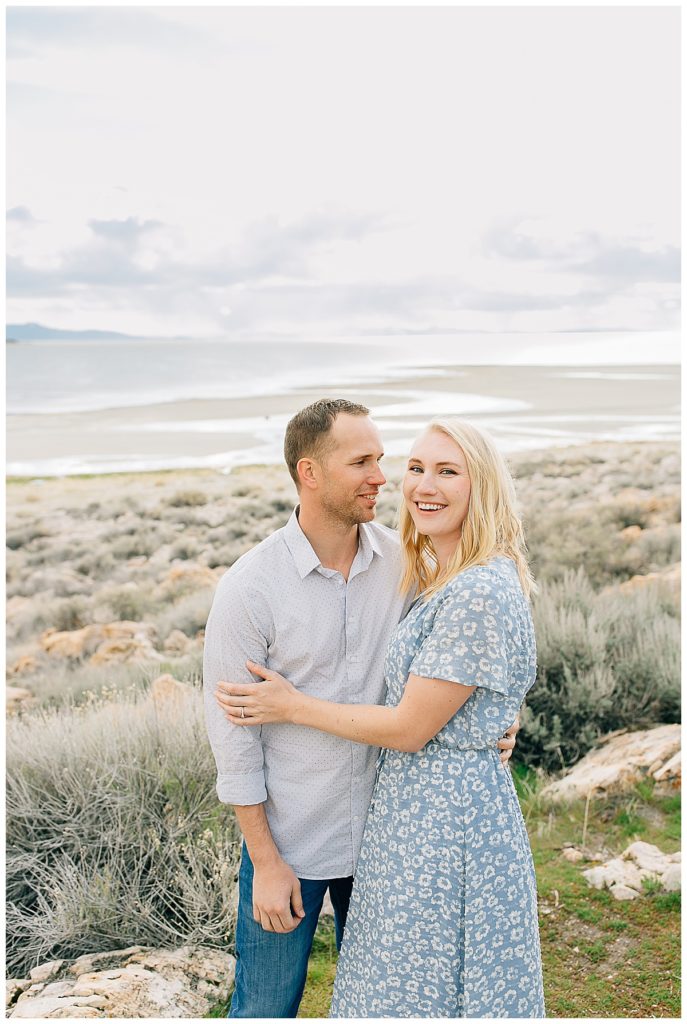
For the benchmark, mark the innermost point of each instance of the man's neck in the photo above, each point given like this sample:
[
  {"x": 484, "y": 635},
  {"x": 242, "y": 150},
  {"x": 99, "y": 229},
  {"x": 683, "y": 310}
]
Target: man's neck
[{"x": 334, "y": 543}]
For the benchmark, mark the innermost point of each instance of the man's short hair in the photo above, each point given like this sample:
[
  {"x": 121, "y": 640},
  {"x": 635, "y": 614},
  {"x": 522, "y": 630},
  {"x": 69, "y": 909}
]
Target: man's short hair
[{"x": 308, "y": 434}]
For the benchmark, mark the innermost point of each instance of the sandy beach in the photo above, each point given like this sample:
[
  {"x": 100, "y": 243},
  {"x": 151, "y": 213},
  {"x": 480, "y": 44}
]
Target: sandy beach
[{"x": 524, "y": 407}]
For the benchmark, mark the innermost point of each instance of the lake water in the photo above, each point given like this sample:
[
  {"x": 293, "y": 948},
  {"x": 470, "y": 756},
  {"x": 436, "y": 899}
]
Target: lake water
[{"x": 77, "y": 406}]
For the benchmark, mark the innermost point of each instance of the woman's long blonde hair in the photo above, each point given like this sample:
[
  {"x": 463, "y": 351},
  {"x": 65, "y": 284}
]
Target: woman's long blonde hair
[{"x": 491, "y": 527}]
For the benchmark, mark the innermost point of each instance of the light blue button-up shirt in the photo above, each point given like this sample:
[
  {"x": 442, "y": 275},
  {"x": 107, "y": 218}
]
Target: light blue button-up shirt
[{"x": 280, "y": 607}]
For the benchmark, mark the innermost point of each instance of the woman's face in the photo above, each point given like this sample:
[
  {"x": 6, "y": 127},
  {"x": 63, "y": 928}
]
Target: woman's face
[{"x": 436, "y": 487}]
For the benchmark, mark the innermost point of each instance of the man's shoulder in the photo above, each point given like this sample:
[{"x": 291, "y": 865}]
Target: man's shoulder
[
  {"x": 388, "y": 539},
  {"x": 248, "y": 569}
]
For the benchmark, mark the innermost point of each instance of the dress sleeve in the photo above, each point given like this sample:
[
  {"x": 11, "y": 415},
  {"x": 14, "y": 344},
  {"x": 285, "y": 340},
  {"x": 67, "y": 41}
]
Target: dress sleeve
[{"x": 468, "y": 640}]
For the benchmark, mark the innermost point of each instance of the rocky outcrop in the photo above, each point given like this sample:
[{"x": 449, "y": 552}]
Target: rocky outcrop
[
  {"x": 15, "y": 605},
  {"x": 16, "y": 698},
  {"x": 126, "y": 649},
  {"x": 184, "y": 579},
  {"x": 177, "y": 643},
  {"x": 169, "y": 695},
  {"x": 669, "y": 577},
  {"x": 27, "y": 663},
  {"x": 131, "y": 983},
  {"x": 71, "y": 643},
  {"x": 105, "y": 643},
  {"x": 624, "y": 876},
  {"x": 620, "y": 761}
]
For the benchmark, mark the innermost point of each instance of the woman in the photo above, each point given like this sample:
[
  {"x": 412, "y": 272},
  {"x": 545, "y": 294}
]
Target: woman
[{"x": 443, "y": 916}]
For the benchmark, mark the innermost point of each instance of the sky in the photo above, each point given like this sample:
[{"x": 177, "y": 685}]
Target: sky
[{"x": 325, "y": 172}]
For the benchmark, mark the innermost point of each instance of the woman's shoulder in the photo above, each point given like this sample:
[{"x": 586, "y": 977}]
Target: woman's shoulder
[
  {"x": 497, "y": 583},
  {"x": 497, "y": 572}
]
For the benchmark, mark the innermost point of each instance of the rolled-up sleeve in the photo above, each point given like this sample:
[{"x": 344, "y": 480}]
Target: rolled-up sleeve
[{"x": 233, "y": 635}]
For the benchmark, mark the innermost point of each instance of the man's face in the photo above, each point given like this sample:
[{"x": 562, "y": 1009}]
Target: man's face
[{"x": 349, "y": 475}]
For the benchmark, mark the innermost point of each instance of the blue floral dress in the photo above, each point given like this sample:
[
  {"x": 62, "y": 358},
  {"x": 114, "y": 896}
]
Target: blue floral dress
[{"x": 443, "y": 915}]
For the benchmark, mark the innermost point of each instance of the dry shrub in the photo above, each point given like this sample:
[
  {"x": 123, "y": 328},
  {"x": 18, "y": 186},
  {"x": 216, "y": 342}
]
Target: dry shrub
[
  {"x": 114, "y": 834},
  {"x": 189, "y": 614},
  {"x": 605, "y": 661},
  {"x": 187, "y": 498}
]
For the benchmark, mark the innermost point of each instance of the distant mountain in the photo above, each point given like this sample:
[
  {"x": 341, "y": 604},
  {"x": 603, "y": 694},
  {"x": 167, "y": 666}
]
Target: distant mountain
[{"x": 38, "y": 332}]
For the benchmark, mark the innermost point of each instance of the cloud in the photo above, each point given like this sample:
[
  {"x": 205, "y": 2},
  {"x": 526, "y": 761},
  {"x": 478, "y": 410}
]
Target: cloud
[
  {"x": 32, "y": 28},
  {"x": 623, "y": 261},
  {"x": 20, "y": 215},
  {"x": 634, "y": 264},
  {"x": 267, "y": 249},
  {"x": 274, "y": 278},
  {"x": 128, "y": 233}
]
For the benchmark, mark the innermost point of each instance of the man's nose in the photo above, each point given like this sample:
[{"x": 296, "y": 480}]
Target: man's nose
[{"x": 377, "y": 478}]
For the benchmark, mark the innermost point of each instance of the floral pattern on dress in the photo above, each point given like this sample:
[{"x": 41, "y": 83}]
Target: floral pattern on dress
[{"x": 443, "y": 915}]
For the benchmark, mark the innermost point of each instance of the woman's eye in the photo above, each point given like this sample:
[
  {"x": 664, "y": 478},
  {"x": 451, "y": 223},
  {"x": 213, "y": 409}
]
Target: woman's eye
[
  {"x": 451, "y": 472},
  {"x": 414, "y": 469}
]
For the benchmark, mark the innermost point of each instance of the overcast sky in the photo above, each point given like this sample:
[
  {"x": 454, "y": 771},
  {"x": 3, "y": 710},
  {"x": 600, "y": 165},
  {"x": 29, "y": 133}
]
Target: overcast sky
[{"x": 316, "y": 172}]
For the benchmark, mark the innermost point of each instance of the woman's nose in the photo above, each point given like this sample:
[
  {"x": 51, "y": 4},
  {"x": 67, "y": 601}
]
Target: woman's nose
[{"x": 427, "y": 485}]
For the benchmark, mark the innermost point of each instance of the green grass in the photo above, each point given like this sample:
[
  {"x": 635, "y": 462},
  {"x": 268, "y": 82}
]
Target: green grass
[{"x": 601, "y": 957}]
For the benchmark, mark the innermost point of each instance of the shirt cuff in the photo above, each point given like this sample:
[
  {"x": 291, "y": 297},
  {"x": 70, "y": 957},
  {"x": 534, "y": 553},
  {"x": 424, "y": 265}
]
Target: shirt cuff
[{"x": 242, "y": 789}]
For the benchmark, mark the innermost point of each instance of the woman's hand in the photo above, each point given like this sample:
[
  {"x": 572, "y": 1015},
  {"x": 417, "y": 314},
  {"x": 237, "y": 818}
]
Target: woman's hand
[{"x": 274, "y": 700}]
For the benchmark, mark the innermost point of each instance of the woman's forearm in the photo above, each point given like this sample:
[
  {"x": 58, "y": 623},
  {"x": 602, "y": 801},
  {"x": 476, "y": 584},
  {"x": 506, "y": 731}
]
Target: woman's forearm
[{"x": 362, "y": 723}]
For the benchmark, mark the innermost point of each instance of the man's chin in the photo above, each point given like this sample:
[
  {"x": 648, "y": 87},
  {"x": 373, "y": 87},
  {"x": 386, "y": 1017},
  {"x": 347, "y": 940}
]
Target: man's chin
[{"x": 354, "y": 516}]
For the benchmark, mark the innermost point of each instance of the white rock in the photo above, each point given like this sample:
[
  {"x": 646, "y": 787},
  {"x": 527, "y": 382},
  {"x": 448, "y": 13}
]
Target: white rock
[
  {"x": 89, "y": 961},
  {"x": 13, "y": 988},
  {"x": 623, "y": 892},
  {"x": 671, "y": 879},
  {"x": 647, "y": 857},
  {"x": 619, "y": 762},
  {"x": 154, "y": 983},
  {"x": 37, "y": 1006},
  {"x": 46, "y": 971},
  {"x": 671, "y": 769},
  {"x": 638, "y": 862},
  {"x": 615, "y": 872}
]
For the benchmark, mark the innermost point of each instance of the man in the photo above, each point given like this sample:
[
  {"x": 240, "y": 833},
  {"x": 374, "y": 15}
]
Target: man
[{"x": 317, "y": 601}]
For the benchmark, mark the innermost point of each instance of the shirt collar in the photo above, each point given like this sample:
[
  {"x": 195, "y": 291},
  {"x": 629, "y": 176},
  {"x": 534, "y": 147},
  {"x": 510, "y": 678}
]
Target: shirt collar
[{"x": 304, "y": 555}]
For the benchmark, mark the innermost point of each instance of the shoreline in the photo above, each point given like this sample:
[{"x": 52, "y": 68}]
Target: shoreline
[{"x": 524, "y": 407}]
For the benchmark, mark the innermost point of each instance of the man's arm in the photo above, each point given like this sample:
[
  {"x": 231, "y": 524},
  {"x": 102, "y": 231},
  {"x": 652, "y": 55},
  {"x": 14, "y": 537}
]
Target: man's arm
[
  {"x": 232, "y": 636},
  {"x": 277, "y": 903},
  {"x": 507, "y": 742}
]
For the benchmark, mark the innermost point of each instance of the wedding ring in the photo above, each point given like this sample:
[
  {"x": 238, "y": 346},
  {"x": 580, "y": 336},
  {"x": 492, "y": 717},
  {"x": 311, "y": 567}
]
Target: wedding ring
[{"x": 243, "y": 713}]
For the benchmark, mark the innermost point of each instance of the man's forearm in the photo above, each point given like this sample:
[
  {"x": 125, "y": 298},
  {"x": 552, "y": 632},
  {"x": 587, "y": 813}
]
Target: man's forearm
[
  {"x": 257, "y": 834},
  {"x": 277, "y": 900}
]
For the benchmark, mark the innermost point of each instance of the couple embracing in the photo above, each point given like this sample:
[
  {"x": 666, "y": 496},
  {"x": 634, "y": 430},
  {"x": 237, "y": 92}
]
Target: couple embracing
[{"x": 336, "y": 637}]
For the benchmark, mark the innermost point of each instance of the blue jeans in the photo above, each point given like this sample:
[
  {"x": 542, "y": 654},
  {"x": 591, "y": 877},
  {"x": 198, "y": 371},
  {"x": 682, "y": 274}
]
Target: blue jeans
[{"x": 271, "y": 968}]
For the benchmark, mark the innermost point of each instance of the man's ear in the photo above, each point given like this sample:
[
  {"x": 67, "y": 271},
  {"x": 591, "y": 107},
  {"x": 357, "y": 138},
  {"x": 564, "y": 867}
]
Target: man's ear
[{"x": 307, "y": 473}]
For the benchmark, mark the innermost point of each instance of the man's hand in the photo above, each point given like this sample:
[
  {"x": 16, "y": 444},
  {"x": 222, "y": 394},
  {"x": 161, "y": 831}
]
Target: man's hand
[
  {"x": 507, "y": 741},
  {"x": 277, "y": 903}
]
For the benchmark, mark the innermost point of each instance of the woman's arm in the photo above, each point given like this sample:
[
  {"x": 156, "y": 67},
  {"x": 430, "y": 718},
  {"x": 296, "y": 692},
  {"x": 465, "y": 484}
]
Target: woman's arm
[{"x": 425, "y": 708}]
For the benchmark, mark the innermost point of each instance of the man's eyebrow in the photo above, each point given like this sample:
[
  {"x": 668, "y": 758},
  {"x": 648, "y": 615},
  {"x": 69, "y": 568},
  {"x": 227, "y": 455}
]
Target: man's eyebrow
[{"x": 367, "y": 455}]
